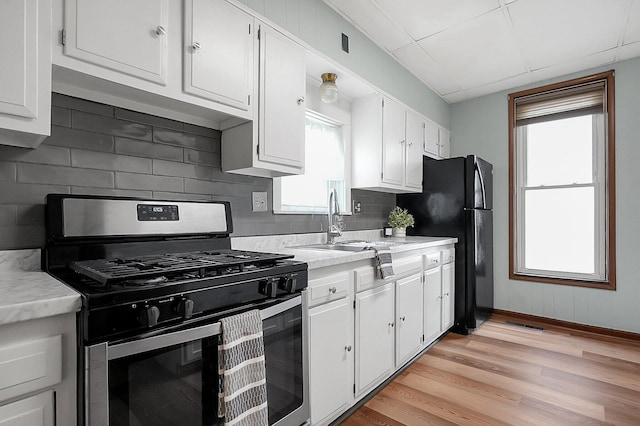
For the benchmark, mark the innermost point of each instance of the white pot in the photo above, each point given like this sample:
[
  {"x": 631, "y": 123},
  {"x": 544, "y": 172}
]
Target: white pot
[{"x": 399, "y": 232}]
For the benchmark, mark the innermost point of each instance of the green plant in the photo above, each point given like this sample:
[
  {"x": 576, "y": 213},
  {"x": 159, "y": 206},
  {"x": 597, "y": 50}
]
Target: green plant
[{"x": 400, "y": 218}]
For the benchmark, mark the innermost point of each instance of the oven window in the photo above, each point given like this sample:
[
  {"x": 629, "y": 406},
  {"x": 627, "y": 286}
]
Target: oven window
[
  {"x": 174, "y": 385},
  {"x": 283, "y": 359}
]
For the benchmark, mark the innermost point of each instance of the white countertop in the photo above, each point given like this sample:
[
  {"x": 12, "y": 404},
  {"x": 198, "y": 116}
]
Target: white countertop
[{"x": 27, "y": 293}]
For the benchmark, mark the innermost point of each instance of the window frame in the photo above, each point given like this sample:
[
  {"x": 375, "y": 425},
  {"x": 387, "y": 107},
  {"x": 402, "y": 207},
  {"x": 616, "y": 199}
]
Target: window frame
[{"x": 515, "y": 226}]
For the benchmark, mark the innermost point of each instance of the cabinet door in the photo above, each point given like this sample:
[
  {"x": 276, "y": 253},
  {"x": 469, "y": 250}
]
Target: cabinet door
[
  {"x": 393, "y": 141},
  {"x": 448, "y": 277},
  {"x": 444, "y": 137},
  {"x": 282, "y": 91},
  {"x": 431, "y": 139},
  {"x": 409, "y": 317},
  {"x": 330, "y": 359},
  {"x": 432, "y": 304},
  {"x": 374, "y": 339},
  {"x": 415, "y": 126},
  {"x": 123, "y": 35},
  {"x": 33, "y": 411},
  {"x": 218, "y": 52},
  {"x": 25, "y": 74}
]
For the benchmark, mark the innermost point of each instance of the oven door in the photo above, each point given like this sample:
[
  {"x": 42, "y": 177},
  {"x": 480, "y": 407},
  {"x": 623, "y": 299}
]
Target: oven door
[{"x": 172, "y": 378}]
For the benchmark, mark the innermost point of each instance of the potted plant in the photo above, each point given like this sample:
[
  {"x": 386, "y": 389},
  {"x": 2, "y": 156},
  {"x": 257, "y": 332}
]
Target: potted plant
[{"x": 399, "y": 219}]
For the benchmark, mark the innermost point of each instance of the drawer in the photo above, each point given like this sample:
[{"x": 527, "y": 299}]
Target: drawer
[
  {"x": 33, "y": 411},
  {"x": 448, "y": 256},
  {"x": 431, "y": 260},
  {"x": 30, "y": 366},
  {"x": 326, "y": 289},
  {"x": 366, "y": 277}
]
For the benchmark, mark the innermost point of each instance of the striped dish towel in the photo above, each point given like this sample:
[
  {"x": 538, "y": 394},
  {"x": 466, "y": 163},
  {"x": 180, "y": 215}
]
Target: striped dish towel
[
  {"x": 242, "y": 397},
  {"x": 383, "y": 262}
]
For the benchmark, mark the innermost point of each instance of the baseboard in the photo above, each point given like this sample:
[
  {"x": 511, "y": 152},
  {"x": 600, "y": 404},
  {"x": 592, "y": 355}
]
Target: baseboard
[{"x": 570, "y": 325}]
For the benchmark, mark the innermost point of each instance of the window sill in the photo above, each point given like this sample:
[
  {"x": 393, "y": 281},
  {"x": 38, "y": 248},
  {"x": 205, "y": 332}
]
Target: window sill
[{"x": 603, "y": 285}]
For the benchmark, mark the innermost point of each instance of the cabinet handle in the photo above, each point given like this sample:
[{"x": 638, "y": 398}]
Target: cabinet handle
[
  {"x": 332, "y": 290},
  {"x": 402, "y": 141},
  {"x": 446, "y": 294},
  {"x": 300, "y": 100},
  {"x": 410, "y": 143},
  {"x": 403, "y": 318},
  {"x": 391, "y": 324},
  {"x": 196, "y": 46},
  {"x": 348, "y": 348},
  {"x": 160, "y": 31}
]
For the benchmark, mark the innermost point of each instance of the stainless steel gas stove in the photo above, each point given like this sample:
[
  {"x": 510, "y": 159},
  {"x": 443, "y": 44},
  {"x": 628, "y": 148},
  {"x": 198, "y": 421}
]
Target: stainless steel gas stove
[{"x": 155, "y": 279}]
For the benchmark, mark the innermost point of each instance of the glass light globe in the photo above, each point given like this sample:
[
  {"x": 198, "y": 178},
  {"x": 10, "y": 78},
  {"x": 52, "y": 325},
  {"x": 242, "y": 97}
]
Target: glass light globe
[{"x": 328, "y": 90}]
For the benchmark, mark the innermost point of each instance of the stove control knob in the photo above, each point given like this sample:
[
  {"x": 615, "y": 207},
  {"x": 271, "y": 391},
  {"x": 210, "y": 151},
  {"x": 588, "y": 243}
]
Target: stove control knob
[
  {"x": 268, "y": 287},
  {"x": 288, "y": 283},
  {"x": 184, "y": 308},
  {"x": 148, "y": 316}
]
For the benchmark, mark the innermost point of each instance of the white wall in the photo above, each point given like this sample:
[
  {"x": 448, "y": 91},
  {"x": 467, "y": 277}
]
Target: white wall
[
  {"x": 480, "y": 126},
  {"x": 315, "y": 23}
]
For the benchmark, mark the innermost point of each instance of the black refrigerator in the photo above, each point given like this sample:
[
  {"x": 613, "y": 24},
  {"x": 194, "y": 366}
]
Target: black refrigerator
[{"x": 457, "y": 201}]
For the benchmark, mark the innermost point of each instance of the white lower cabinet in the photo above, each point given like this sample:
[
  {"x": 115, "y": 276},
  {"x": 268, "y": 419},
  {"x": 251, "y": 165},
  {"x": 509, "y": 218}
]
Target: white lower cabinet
[
  {"x": 448, "y": 288},
  {"x": 331, "y": 359},
  {"x": 33, "y": 411},
  {"x": 438, "y": 294},
  {"x": 409, "y": 314},
  {"x": 374, "y": 337}
]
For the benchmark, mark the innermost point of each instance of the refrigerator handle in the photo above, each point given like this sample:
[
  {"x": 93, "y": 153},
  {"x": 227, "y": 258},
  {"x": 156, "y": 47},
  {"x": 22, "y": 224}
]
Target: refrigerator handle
[{"x": 484, "y": 195}]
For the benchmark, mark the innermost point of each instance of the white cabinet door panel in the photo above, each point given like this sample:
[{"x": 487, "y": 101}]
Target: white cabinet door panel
[
  {"x": 393, "y": 141},
  {"x": 431, "y": 139},
  {"x": 448, "y": 277},
  {"x": 444, "y": 137},
  {"x": 409, "y": 317},
  {"x": 123, "y": 35},
  {"x": 432, "y": 303},
  {"x": 415, "y": 136},
  {"x": 218, "y": 52},
  {"x": 33, "y": 411}
]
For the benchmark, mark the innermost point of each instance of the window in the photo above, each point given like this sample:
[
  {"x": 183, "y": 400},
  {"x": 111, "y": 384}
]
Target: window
[
  {"x": 325, "y": 169},
  {"x": 561, "y": 180}
]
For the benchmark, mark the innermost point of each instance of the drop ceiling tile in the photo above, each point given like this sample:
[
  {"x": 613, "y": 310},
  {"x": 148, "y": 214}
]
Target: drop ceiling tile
[
  {"x": 422, "y": 66},
  {"x": 498, "y": 86},
  {"x": 366, "y": 16},
  {"x": 551, "y": 31},
  {"x": 422, "y": 18},
  {"x": 575, "y": 65},
  {"x": 476, "y": 52},
  {"x": 629, "y": 51},
  {"x": 632, "y": 33}
]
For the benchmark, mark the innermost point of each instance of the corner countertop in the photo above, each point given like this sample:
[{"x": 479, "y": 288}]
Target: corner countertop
[
  {"x": 320, "y": 258},
  {"x": 27, "y": 293}
]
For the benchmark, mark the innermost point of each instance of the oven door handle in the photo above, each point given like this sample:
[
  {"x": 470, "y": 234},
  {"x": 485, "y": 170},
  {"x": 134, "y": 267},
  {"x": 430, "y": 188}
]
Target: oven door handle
[{"x": 122, "y": 350}]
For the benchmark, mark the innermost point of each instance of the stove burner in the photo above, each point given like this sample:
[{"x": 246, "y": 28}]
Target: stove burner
[{"x": 147, "y": 269}]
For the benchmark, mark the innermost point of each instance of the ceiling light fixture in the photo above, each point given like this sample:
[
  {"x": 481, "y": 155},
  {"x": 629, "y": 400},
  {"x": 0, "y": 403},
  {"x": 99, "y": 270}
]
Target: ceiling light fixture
[{"x": 328, "y": 90}]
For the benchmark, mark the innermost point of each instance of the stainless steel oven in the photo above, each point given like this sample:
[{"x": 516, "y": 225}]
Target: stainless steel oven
[
  {"x": 172, "y": 378},
  {"x": 156, "y": 277}
]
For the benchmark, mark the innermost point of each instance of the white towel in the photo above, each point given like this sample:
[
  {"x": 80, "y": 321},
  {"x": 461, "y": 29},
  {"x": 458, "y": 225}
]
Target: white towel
[
  {"x": 242, "y": 397},
  {"x": 383, "y": 262}
]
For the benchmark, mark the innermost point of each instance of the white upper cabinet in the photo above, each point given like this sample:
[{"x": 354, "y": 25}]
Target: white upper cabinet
[
  {"x": 273, "y": 143},
  {"x": 436, "y": 141},
  {"x": 123, "y": 35},
  {"x": 387, "y": 141},
  {"x": 218, "y": 52},
  {"x": 25, "y": 74}
]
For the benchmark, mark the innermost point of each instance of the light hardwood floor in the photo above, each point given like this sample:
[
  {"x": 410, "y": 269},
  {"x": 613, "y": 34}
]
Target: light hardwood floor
[{"x": 504, "y": 373}]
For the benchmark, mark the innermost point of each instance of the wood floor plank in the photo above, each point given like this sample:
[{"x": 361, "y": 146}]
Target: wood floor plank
[{"x": 508, "y": 374}]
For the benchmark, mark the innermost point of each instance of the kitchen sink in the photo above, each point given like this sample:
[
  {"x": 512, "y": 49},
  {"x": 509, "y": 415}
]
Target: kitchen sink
[{"x": 352, "y": 245}]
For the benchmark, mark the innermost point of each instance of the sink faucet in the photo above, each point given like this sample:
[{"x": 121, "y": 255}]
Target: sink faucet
[{"x": 335, "y": 219}]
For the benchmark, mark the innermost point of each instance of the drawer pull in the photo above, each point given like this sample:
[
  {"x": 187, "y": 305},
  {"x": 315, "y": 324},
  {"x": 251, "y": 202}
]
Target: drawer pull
[
  {"x": 332, "y": 290},
  {"x": 391, "y": 324},
  {"x": 403, "y": 318},
  {"x": 348, "y": 348}
]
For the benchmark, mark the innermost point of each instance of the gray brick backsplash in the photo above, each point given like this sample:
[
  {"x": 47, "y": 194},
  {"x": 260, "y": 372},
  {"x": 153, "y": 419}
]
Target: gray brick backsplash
[
  {"x": 7, "y": 171},
  {"x": 202, "y": 157},
  {"x": 105, "y": 161},
  {"x": 149, "y": 149},
  {"x": 151, "y": 120},
  {"x": 74, "y": 138},
  {"x": 71, "y": 103},
  {"x": 57, "y": 175},
  {"x": 198, "y": 142},
  {"x": 118, "y": 152},
  {"x": 7, "y": 215},
  {"x": 149, "y": 182},
  {"x": 109, "y": 126},
  {"x": 16, "y": 193},
  {"x": 194, "y": 186},
  {"x": 44, "y": 154},
  {"x": 60, "y": 116}
]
